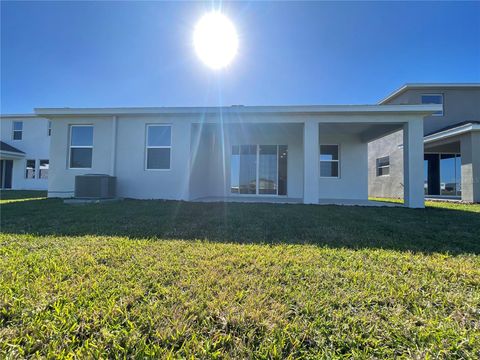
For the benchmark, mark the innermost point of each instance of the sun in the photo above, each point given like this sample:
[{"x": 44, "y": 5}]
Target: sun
[{"x": 215, "y": 40}]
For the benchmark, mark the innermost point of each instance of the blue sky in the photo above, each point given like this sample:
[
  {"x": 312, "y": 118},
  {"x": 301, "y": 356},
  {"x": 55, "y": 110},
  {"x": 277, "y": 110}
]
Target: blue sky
[{"x": 141, "y": 53}]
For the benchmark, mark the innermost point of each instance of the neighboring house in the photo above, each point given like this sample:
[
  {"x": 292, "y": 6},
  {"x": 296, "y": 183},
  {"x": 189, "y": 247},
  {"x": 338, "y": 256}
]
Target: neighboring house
[
  {"x": 24, "y": 153},
  {"x": 308, "y": 154},
  {"x": 451, "y": 144}
]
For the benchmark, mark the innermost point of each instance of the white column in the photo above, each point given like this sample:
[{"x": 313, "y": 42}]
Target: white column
[
  {"x": 413, "y": 164},
  {"x": 311, "y": 162}
]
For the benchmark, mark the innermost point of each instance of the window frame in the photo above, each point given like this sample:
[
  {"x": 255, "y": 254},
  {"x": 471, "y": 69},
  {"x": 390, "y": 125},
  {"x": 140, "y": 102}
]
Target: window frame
[
  {"x": 14, "y": 131},
  {"x": 39, "y": 170},
  {"x": 34, "y": 169},
  {"x": 71, "y": 126},
  {"x": 435, "y": 94},
  {"x": 147, "y": 126},
  {"x": 329, "y": 161},
  {"x": 382, "y": 167}
]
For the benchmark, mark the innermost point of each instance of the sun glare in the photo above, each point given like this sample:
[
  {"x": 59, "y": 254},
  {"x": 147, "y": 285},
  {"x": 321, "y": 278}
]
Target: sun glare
[{"x": 215, "y": 40}]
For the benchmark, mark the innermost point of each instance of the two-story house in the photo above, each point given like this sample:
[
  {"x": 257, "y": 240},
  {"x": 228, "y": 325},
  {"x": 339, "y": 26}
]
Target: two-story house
[
  {"x": 24, "y": 152},
  {"x": 451, "y": 144}
]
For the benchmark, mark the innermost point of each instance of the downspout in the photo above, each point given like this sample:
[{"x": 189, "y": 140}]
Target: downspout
[{"x": 114, "y": 146}]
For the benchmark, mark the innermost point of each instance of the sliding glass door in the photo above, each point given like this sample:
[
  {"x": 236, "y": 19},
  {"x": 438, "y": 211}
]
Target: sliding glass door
[
  {"x": 259, "y": 169},
  {"x": 443, "y": 174}
]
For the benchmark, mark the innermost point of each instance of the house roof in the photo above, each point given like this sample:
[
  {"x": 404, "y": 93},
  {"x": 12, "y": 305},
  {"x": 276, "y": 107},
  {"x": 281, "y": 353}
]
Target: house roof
[
  {"x": 240, "y": 109},
  {"x": 14, "y": 116},
  {"x": 9, "y": 148},
  {"x": 454, "y": 126},
  {"x": 427, "y": 86},
  {"x": 454, "y": 130}
]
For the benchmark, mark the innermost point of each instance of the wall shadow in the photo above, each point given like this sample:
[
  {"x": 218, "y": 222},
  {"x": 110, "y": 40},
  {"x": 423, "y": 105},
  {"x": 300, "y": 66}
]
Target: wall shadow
[{"x": 430, "y": 230}]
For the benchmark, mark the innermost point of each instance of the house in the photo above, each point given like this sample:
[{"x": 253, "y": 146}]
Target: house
[
  {"x": 451, "y": 144},
  {"x": 24, "y": 152},
  {"x": 308, "y": 154}
]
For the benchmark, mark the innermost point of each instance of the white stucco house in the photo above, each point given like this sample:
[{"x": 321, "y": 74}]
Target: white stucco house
[
  {"x": 308, "y": 154},
  {"x": 24, "y": 152}
]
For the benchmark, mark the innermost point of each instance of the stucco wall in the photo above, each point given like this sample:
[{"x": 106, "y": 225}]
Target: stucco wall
[
  {"x": 353, "y": 180},
  {"x": 61, "y": 181},
  {"x": 35, "y": 144},
  {"x": 391, "y": 185},
  {"x": 459, "y": 105}
]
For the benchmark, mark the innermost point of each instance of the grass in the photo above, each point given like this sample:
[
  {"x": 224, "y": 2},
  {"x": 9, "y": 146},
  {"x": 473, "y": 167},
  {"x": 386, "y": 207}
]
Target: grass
[{"x": 174, "y": 280}]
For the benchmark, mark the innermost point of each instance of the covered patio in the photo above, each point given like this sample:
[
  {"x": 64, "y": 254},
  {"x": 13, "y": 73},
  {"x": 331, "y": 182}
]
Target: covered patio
[{"x": 318, "y": 158}]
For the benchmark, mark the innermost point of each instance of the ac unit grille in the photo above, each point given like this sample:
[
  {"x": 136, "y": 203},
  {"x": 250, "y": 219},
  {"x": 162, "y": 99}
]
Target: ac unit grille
[{"x": 95, "y": 186}]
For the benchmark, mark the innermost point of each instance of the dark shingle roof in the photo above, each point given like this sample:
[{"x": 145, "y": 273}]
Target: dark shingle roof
[{"x": 6, "y": 147}]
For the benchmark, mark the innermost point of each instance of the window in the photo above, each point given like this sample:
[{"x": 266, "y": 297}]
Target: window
[
  {"x": 433, "y": 99},
  {"x": 159, "y": 147},
  {"x": 81, "y": 146},
  {"x": 329, "y": 161},
  {"x": 43, "y": 169},
  {"x": 49, "y": 131},
  {"x": 383, "y": 166},
  {"x": 30, "y": 169},
  {"x": 17, "y": 130}
]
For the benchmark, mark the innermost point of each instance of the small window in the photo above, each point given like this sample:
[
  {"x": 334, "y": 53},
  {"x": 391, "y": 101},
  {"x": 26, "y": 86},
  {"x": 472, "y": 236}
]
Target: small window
[
  {"x": 49, "y": 131},
  {"x": 329, "y": 161},
  {"x": 383, "y": 166},
  {"x": 43, "y": 169},
  {"x": 433, "y": 99},
  {"x": 158, "y": 149},
  {"x": 30, "y": 169},
  {"x": 17, "y": 130},
  {"x": 81, "y": 146}
]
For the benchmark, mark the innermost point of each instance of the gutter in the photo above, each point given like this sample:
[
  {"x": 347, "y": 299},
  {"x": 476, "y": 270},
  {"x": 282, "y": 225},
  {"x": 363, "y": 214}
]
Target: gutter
[{"x": 451, "y": 132}]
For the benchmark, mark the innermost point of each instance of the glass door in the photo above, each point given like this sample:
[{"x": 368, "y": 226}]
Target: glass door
[{"x": 258, "y": 169}]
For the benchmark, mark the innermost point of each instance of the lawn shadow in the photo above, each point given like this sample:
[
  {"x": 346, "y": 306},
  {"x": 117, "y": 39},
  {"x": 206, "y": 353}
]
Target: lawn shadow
[{"x": 431, "y": 230}]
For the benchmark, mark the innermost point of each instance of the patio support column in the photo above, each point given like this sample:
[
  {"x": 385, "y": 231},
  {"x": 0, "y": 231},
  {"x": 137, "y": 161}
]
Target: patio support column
[
  {"x": 311, "y": 162},
  {"x": 413, "y": 164},
  {"x": 470, "y": 152}
]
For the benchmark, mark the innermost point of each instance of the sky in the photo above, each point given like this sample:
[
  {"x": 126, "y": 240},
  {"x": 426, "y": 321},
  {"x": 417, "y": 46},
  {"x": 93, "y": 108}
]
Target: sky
[{"x": 109, "y": 54}]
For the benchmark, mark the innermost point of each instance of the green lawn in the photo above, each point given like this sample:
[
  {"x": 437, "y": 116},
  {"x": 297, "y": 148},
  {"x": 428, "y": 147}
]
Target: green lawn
[{"x": 174, "y": 279}]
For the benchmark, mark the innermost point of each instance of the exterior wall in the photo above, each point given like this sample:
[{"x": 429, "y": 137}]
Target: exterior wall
[
  {"x": 133, "y": 180},
  {"x": 35, "y": 144},
  {"x": 353, "y": 180},
  {"x": 200, "y": 154},
  {"x": 390, "y": 186},
  {"x": 61, "y": 181},
  {"x": 470, "y": 151},
  {"x": 458, "y": 105},
  {"x": 128, "y": 165}
]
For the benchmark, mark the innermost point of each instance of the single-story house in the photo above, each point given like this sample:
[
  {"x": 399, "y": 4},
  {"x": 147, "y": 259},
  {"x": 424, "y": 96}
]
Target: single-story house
[{"x": 308, "y": 154}]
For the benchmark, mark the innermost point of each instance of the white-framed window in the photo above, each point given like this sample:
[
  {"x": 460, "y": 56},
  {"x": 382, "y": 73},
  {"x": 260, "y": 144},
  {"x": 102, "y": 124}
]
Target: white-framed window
[
  {"x": 433, "y": 99},
  {"x": 43, "y": 167},
  {"x": 17, "y": 130},
  {"x": 330, "y": 161},
  {"x": 81, "y": 147},
  {"x": 49, "y": 130},
  {"x": 383, "y": 166},
  {"x": 30, "y": 169},
  {"x": 158, "y": 147}
]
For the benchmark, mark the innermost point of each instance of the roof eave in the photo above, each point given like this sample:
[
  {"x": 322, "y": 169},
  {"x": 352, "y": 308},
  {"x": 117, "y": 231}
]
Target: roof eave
[{"x": 312, "y": 109}]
